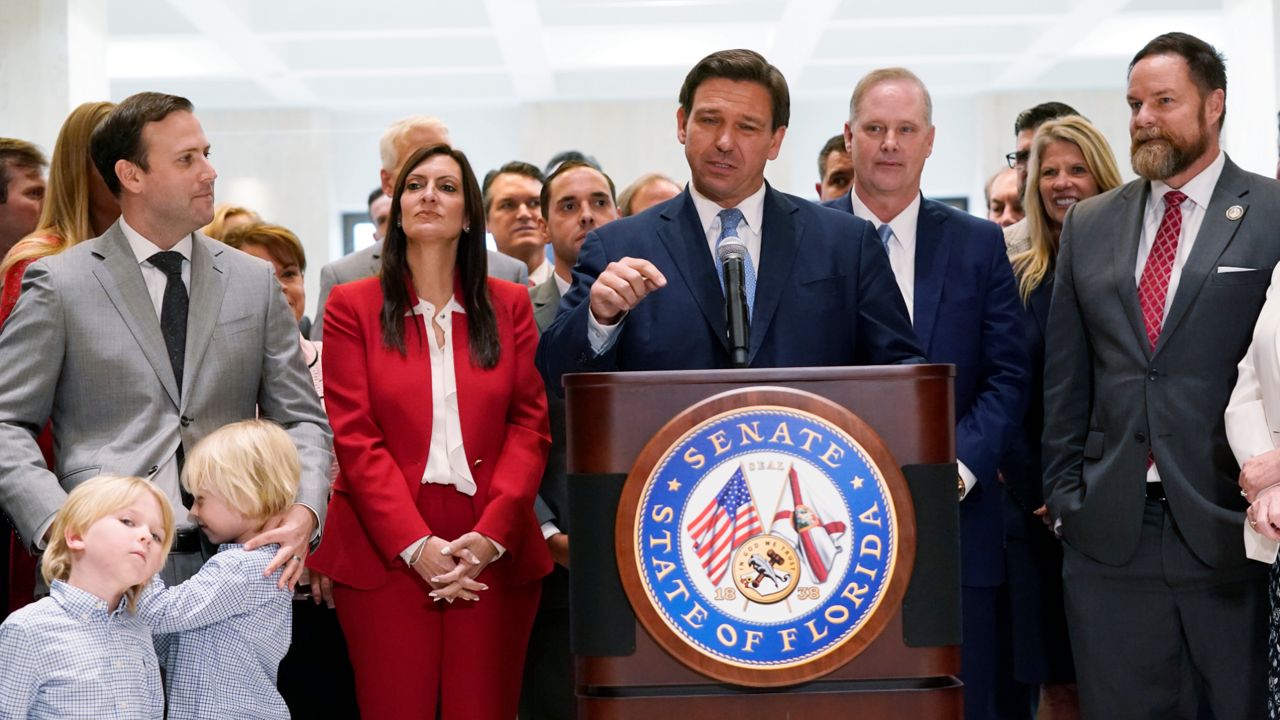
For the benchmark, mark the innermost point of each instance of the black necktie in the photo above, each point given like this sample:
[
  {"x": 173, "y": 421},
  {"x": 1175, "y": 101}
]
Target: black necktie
[{"x": 173, "y": 311}]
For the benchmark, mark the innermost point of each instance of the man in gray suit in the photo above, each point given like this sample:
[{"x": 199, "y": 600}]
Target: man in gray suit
[
  {"x": 576, "y": 199},
  {"x": 1158, "y": 285},
  {"x": 140, "y": 342},
  {"x": 397, "y": 144}
]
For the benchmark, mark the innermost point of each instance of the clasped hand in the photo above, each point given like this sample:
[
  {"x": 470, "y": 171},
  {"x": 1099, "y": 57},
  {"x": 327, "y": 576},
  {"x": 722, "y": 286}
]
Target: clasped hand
[{"x": 451, "y": 567}]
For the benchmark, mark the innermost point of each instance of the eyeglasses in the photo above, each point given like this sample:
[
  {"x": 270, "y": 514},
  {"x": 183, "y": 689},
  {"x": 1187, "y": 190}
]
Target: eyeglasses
[{"x": 1017, "y": 158}]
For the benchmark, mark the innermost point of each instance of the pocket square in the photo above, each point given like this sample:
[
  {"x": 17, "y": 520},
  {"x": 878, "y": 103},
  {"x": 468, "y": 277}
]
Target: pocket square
[{"x": 1233, "y": 269}]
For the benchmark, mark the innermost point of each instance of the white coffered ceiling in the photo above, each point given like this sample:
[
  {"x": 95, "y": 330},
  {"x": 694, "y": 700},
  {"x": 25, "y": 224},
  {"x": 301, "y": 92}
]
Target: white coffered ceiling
[{"x": 387, "y": 54}]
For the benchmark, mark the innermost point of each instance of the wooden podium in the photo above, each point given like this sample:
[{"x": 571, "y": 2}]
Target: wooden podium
[{"x": 908, "y": 671}]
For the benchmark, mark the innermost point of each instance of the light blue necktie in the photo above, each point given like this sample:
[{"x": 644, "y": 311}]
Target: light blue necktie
[
  {"x": 729, "y": 220},
  {"x": 886, "y": 233}
]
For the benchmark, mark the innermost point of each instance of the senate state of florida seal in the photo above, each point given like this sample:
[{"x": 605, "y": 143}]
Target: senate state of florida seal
[{"x": 761, "y": 538}]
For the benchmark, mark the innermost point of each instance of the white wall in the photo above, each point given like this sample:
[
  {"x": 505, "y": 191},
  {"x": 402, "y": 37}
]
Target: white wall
[{"x": 279, "y": 163}]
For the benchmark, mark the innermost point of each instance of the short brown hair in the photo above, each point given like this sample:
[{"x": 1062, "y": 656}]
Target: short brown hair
[
  {"x": 1208, "y": 67},
  {"x": 119, "y": 137},
  {"x": 835, "y": 143},
  {"x": 741, "y": 65},
  {"x": 544, "y": 197},
  {"x": 19, "y": 154},
  {"x": 283, "y": 245},
  {"x": 515, "y": 167}
]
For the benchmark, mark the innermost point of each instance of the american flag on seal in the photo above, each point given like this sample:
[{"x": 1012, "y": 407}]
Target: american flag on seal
[{"x": 724, "y": 524}]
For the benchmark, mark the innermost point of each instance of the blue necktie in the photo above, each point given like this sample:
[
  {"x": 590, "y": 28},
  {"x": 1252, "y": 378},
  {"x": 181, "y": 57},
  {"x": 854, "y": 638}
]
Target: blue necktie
[
  {"x": 886, "y": 233},
  {"x": 729, "y": 220}
]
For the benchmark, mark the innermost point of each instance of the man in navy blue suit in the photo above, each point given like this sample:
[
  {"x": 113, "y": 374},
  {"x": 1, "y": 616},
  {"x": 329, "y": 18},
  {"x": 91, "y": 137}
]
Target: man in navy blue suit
[
  {"x": 646, "y": 293},
  {"x": 953, "y": 273}
]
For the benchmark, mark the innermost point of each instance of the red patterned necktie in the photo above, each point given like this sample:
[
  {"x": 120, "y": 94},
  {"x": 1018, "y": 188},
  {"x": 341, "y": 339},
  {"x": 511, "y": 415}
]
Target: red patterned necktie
[{"x": 1153, "y": 288}]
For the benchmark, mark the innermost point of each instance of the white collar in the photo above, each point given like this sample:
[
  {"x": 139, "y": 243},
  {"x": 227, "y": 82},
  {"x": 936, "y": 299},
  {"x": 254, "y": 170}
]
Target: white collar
[
  {"x": 1199, "y": 188},
  {"x": 425, "y": 308},
  {"x": 903, "y": 225},
  {"x": 752, "y": 208},
  {"x": 143, "y": 248},
  {"x": 561, "y": 284}
]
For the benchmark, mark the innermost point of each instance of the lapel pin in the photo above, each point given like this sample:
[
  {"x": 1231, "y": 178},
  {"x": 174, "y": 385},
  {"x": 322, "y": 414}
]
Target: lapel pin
[{"x": 1235, "y": 212}]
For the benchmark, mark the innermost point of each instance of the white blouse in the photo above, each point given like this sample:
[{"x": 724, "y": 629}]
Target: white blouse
[{"x": 446, "y": 458}]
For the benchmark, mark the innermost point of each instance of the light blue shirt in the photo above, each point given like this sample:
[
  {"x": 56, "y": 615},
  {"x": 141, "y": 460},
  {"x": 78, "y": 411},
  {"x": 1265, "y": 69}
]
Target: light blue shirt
[
  {"x": 68, "y": 657},
  {"x": 222, "y": 635}
]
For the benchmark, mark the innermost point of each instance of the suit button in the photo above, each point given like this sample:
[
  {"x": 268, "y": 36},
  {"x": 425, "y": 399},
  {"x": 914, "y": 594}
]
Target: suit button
[
  {"x": 1139, "y": 438},
  {"x": 186, "y": 421},
  {"x": 1153, "y": 374}
]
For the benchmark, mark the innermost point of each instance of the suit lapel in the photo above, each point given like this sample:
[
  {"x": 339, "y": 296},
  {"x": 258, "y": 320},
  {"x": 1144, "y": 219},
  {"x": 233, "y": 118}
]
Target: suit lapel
[
  {"x": 1133, "y": 206},
  {"x": 932, "y": 257},
  {"x": 121, "y": 279},
  {"x": 1216, "y": 232},
  {"x": 546, "y": 301},
  {"x": 375, "y": 260},
  {"x": 686, "y": 241},
  {"x": 779, "y": 242},
  {"x": 208, "y": 284}
]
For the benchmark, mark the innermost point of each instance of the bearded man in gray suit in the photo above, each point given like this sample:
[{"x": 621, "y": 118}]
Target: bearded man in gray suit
[
  {"x": 1158, "y": 286},
  {"x": 140, "y": 342},
  {"x": 399, "y": 141}
]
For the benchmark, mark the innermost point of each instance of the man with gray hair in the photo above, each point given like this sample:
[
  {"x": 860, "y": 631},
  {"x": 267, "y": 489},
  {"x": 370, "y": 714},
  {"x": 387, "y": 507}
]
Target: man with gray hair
[
  {"x": 953, "y": 274},
  {"x": 398, "y": 142},
  {"x": 21, "y": 190}
]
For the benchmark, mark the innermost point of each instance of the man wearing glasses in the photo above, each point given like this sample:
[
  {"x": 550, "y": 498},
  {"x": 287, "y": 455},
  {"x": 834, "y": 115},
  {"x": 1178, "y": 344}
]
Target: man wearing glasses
[{"x": 1017, "y": 236}]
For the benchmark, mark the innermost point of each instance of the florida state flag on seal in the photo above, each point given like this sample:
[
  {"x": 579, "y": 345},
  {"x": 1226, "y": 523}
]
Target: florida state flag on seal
[{"x": 799, "y": 518}]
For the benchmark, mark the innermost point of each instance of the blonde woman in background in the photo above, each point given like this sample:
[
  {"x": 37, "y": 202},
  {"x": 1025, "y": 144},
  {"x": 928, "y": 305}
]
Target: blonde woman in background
[
  {"x": 77, "y": 203},
  {"x": 227, "y": 217},
  {"x": 77, "y": 206},
  {"x": 1070, "y": 162}
]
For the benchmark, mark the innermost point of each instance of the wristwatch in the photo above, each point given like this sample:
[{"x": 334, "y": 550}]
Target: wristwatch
[{"x": 960, "y": 484}]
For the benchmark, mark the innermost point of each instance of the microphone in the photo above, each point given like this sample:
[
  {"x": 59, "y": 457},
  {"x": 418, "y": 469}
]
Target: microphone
[{"x": 733, "y": 253}]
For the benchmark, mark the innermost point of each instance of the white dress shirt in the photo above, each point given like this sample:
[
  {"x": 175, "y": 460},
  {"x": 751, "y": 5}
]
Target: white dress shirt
[
  {"x": 539, "y": 275},
  {"x": 446, "y": 456},
  {"x": 902, "y": 245},
  {"x": 166, "y": 476},
  {"x": 750, "y": 232},
  {"x": 902, "y": 258},
  {"x": 1199, "y": 191}
]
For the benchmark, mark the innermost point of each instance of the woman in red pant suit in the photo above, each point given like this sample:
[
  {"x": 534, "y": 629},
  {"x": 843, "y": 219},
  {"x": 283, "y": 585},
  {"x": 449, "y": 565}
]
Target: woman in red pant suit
[{"x": 440, "y": 428}]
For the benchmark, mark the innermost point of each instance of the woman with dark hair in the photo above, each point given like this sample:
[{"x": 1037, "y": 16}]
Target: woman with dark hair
[{"x": 440, "y": 428}]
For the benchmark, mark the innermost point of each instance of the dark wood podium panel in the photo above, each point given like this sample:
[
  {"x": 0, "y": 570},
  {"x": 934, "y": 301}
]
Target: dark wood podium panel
[
  {"x": 887, "y": 657},
  {"x": 642, "y": 402},
  {"x": 613, "y": 416},
  {"x": 908, "y": 701}
]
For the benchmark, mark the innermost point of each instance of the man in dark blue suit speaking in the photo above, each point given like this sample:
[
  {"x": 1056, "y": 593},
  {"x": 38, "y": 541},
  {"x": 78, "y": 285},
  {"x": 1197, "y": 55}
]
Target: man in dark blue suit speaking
[
  {"x": 646, "y": 291},
  {"x": 952, "y": 270}
]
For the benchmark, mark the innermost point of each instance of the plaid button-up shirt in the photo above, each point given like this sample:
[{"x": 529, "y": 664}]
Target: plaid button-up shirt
[
  {"x": 68, "y": 656},
  {"x": 222, "y": 635}
]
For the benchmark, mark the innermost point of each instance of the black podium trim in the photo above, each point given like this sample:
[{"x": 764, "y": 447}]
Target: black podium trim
[
  {"x": 931, "y": 607},
  {"x": 601, "y": 622},
  {"x": 879, "y": 685}
]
